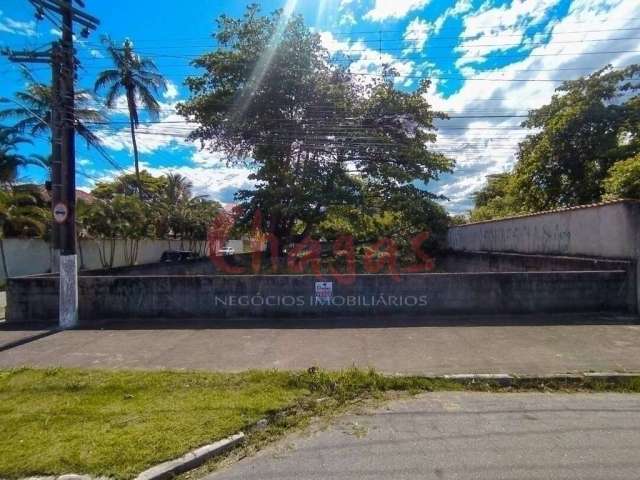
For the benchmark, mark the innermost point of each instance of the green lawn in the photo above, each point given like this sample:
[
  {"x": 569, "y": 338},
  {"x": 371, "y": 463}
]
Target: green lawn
[{"x": 118, "y": 423}]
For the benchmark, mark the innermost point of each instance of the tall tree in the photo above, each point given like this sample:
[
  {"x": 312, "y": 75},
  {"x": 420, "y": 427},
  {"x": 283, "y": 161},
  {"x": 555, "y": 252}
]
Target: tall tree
[
  {"x": 127, "y": 184},
  {"x": 589, "y": 125},
  {"x": 34, "y": 105},
  {"x": 138, "y": 79},
  {"x": 271, "y": 96},
  {"x": 178, "y": 188}
]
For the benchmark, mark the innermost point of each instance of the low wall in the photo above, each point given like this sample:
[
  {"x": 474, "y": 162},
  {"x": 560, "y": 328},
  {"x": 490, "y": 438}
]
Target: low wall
[
  {"x": 465, "y": 261},
  {"x": 27, "y": 256},
  {"x": 122, "y": 298},
  {"x": 607, "y": 230}
]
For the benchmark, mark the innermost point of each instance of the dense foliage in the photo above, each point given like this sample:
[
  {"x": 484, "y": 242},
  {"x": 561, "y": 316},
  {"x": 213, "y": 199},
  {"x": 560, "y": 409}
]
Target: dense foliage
[
  {"x": 169, "y": 210},
  {"x": 589, "y": 127},
  {"x": 271, "y": 97}
]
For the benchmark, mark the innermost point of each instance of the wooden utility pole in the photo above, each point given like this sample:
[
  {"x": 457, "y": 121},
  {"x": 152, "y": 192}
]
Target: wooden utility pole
[
  {"x": 64, "y": 210},
  {"x": 56, "y": 142},
  {"x": 63, "y": 127}
]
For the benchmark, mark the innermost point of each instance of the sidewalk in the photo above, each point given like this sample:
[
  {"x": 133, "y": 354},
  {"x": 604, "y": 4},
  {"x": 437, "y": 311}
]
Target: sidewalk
[{"x": 517, "y": 345}]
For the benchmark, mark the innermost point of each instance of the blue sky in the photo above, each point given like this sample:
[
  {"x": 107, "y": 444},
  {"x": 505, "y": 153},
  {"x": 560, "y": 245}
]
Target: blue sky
[{"x": 490, "y": 61}]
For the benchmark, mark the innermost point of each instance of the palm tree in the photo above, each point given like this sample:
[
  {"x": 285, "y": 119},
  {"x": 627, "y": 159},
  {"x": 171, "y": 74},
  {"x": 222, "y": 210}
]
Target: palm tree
[
  {"x": 178, "y": 188},
  {"x": 10, "y": 159},
  {"x": 138, "y": 79},
  {"x": 34, "y": 106}
]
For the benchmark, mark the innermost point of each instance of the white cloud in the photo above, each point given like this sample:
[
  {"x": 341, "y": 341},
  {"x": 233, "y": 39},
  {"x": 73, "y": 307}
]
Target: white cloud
[
  {"x": 386, "y": 9},
  {"x": 344, "y": 4},
  {"x": 347, "y": 19},
  {"x": 170, "y": 131},
  {"x": 365, "y": 60},
  {"x": 96, "y": 53},
  {"x": 16, "y": 27},
  {"x": 486, "y": 146},
  {"x": 416, "y": 34},
  {"x": 214, "y": 179},
  {"x": 501, "y": 28},
  {"x": 172, "y": 91}
]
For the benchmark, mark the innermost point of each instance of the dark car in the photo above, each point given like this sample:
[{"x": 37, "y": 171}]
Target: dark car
[{"x": 177, "y": 255}]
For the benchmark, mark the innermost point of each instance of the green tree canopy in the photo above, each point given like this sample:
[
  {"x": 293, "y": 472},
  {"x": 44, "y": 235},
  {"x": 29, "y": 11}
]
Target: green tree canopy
[
  {"x": 270, "y": 96},
  {"x": 127, "y": 184},
  {"x": 623, "y": 180},
  {"x": 590, "y": 124},
  {"x": 168, "y": 208}
]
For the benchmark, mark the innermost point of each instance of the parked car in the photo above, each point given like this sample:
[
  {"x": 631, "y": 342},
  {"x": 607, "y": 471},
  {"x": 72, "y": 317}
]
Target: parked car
[
  {"x": 226, "y": 251},
  {"x": 177, "y": 255}
]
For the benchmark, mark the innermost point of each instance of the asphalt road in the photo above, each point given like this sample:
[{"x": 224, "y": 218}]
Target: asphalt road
[{"x": 465, "y": 436}]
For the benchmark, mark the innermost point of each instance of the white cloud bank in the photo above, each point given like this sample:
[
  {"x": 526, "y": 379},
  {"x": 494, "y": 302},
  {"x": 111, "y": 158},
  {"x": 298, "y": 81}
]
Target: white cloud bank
[
  {"x": 485, "y": 146},
  {"x": 390, "y": 9}
]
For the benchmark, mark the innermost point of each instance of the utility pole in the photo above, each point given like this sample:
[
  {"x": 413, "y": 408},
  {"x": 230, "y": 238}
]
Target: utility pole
[
  {"x": 56, "y": 145},
  {"x": 62, "y": 125},
  {"x": 67, "y": 205}
]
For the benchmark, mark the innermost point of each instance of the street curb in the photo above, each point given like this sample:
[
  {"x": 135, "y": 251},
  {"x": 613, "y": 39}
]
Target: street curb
[
  {"x": 506, "y": 379},
  {"x": 190, "y": 460}
]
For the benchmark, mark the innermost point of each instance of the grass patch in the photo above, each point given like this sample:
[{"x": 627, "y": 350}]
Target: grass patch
[{"x": 118, "y": 423}]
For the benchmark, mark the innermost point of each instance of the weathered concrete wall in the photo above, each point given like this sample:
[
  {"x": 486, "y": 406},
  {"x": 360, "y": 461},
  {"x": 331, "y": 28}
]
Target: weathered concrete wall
[
  {"x": 608, "y": 230},
  {"x": 34, "y": 299},
  {"x": 463, "y": 261}
]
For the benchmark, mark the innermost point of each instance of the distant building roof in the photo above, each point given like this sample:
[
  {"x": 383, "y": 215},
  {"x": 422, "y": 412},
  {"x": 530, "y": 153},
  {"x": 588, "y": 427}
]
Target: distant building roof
[{"x": 80, "y": 195}]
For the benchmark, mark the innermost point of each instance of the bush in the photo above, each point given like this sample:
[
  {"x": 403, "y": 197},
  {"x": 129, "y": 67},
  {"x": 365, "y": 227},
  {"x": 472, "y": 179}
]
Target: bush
[{"x": 623, "y": 179}]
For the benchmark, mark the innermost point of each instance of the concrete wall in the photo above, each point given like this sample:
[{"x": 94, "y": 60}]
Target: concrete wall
[
  {"x": 608, "y": 230},
  {"x": 462, "y": 261},
  {"x": 122, "y": 298},
  {"x": 33, "y": 256}
]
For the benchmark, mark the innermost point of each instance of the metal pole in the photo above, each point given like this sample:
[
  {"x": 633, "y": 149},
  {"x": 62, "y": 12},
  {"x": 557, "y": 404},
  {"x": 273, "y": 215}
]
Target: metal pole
[{"x": 65, "y": 211}]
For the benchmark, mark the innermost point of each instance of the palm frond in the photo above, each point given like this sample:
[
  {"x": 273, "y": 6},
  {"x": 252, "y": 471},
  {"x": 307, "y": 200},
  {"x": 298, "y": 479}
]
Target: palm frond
[
  {"x": 106, "y": 78},
  {"x": 113, "y": 93},
  {"x": 149, "y": 102}
]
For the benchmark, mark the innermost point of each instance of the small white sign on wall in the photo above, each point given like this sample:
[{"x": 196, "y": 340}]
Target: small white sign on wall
[{"x": 324, "y": 292}]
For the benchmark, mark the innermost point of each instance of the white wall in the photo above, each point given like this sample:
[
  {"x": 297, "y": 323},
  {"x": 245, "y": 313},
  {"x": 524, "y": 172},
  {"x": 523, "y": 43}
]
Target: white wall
[
  {"x": 608, "y": 230},
  {"x": 33, "y": 256}
]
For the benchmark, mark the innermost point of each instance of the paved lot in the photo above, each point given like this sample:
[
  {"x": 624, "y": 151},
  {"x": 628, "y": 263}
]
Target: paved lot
[
  {"x": 465, "y": 436},
  {"x": 520, "y": 345}
]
